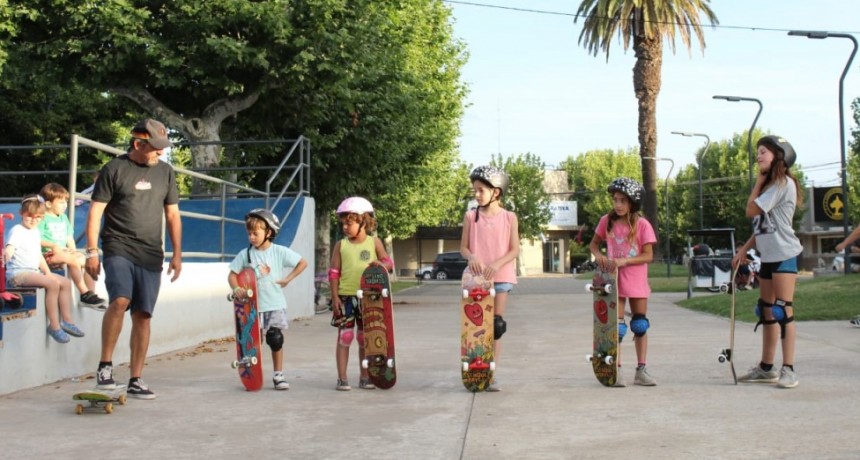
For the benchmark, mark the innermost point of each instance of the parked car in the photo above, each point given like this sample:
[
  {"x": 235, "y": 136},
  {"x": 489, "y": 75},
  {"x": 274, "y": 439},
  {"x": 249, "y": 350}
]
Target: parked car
[
  {"x": 425, "y": 272},
  {"x": 449, "y": 265}
]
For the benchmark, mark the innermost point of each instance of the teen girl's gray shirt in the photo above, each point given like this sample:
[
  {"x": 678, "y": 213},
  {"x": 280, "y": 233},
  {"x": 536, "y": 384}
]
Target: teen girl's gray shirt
[{"x": 774, "y": 235}]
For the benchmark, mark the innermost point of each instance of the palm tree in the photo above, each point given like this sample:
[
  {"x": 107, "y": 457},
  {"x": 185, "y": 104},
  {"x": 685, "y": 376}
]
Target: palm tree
[{"x": 647, "y": 22}]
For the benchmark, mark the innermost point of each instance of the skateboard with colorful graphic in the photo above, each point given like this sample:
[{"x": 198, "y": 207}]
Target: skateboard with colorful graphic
[
  {"x": 606, "y": 354},
  {"x": 378, "y": 325},
  {"x": 727, "y": 354},
  {"x": 249, "y": 360},
  {"x": 477, "y": 307},
  {"x": 100, "y": 399}
]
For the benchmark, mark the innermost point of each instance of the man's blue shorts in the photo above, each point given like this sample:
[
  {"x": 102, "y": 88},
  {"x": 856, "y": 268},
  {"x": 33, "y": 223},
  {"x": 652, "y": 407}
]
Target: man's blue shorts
[{"x": 125, "y": 279}]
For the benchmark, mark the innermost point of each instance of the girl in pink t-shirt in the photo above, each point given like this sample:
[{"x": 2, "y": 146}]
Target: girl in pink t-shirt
[
  {"x": 629, "y": 239},
  {"x": 491, "y": 243}
]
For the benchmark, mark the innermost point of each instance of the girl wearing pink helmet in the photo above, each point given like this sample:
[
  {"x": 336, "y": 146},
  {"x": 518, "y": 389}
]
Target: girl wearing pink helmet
[{"x": 350, "y": 256}]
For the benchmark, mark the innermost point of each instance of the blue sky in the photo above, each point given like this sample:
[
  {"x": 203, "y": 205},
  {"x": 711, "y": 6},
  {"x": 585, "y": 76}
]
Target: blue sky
[{"x": 533, "y": 88}]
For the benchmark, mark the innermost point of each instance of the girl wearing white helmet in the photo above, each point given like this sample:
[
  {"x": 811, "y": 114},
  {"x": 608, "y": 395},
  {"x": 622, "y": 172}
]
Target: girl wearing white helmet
[
  {"x": 349, "y": 257},
  {"x": 491, "y": 243},
  {"x": 771, "y": 204},
  {"x": 629, "y": 239}
]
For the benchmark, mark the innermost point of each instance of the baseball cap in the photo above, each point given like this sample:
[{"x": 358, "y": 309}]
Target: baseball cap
[{"x": 152, "y": 131}]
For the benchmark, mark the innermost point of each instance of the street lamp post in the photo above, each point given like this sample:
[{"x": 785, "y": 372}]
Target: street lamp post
[
  {"x": 817, "y": 34},
  {"x": 752, "y": 128},
  {"x": 701, "y": 159},
  {"x": 668, "y": 222}
]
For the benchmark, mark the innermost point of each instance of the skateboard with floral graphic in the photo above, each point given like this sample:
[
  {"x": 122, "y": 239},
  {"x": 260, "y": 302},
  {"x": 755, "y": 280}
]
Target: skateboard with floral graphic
[
  {"x": 476, "y": 336},
  {"x": 249, "y": 360},
  {"x": 605, "y": 355},
  {"x": 378, "y": 327}
]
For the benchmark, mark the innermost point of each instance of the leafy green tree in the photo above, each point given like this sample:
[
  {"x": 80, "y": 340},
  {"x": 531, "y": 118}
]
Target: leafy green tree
[
  {"x": 646, "y": 23},
  {"x": 526, "y": 196},
  {"x": 591, "y": 172},
  {"x": 853, "y": 166}
]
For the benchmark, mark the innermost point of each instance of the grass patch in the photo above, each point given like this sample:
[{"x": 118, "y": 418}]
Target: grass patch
[
  {"x": 657, "y": 278},
  {"x": 399, "y": 285},
  {"x": 827, "y": 298}
]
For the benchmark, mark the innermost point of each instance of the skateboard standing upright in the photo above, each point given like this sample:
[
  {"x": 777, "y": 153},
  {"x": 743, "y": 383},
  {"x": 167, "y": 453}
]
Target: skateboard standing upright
[
  {"x": 378, "y": 325},
  {"x": 727, "y": 354},
  {"x": 248, "y": 349},
  {"x": 477, "y": 308},
  {"x": 606, "y": 354},
  {"x": 100, "y": 399}
]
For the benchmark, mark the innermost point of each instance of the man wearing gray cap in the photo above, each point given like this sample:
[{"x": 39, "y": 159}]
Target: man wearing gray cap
[{"x": 131, "y": 193}]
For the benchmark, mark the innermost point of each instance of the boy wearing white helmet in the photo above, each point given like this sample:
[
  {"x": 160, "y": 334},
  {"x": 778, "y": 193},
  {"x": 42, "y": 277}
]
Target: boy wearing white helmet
[
  {"x": 629, "y": 239},
  {"x": 350, "y": 256},
  {"x": 275, "y": 267},
  {"x": 491, "y": 244}
]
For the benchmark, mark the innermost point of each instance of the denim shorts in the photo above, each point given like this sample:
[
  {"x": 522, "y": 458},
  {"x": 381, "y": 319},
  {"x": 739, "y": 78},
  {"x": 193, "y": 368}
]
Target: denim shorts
[
  {"x": 502, "y": 288},
  {"x": 125, "y": 279},
  {"x": 769, "y": 268}
]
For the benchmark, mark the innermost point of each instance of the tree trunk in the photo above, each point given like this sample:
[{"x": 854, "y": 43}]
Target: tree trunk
[
  {"x": 646, "y": 84},
  {"x": 322, "y": 243}
]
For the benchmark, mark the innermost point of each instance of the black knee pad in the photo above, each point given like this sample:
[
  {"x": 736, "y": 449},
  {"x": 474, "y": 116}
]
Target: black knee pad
[
  {"x": 780, "y": 315},
  {"x": 275, "y": 338},
  {"x": 499, "y": 327},
  {"x": 759, "y": 311},
  {"x": 639, "y": 325}
]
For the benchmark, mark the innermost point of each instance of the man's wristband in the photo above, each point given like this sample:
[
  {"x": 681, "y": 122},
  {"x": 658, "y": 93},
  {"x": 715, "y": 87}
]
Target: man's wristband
[{"x": 91, "y": 250}]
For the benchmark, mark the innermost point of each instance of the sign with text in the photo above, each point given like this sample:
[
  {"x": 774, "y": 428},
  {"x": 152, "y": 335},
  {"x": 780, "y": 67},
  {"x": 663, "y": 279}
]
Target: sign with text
[{"x": 563, "y": 215}]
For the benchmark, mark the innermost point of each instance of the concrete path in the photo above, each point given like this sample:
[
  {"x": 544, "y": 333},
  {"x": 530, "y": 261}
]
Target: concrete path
[{"x": 550, "y": 407}]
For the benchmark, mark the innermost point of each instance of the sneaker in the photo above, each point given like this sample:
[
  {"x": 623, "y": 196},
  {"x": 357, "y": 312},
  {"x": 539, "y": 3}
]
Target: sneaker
[
  {"x": 493, "y": 387},
  {"x": 758, "y": 375},
  {"x": 91, "y": 300},
  {"x": 855, "y": 321},
  {"x": 280, "y": 381},
  {"x": 787, "y": 378},
  {"x": 365, "y": 384},
  {"x": 104, "y": 378},
  {"x": 139, "y": 390},
  {"x": 71, "y": 329},
  {"x": 343, "y": 385},
  {"x": 644, "y": 378},
  {"x": 59, "y": 335}
]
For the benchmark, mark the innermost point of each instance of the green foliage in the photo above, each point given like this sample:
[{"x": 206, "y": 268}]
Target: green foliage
[
  {"x": 841, "y": 293},
  {"x": 853, "y": 165},
  {"x": 591, "y": 172},
  {"x": 526, "y": 196}
]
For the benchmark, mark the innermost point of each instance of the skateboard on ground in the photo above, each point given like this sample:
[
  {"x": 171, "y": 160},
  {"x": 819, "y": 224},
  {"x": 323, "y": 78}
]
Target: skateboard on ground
[
  {"x": 378, "y": 323},
  {"x": 606, "y": 354},
  {"x": 726, "y": 354},
  {"x": 477, "y": 307},
  {"x": 248, "y": 349},
  {"x": 100, "y": 399}
]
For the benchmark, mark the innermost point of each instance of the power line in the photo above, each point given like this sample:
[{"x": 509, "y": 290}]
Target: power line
[{"x": 575, "y": 15}]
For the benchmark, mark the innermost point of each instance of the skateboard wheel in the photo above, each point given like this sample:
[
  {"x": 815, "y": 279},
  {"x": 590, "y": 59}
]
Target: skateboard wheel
[
  {"x": 234, "y": 364},
  {"x": 122, "y": 399},
  {"x": 390, "y": 362},
  {"x": 492, "y": 365},
  {"x": 249, "y": 293},
  {"x": 465, "y": 366},
  {"x": 253, "y": 360},
  {"x": 721, "y": 358},
  {"x": 609, "y": 289},
  {"x": 588, "y": 287},
  {"x": 364, "y": 363},
  {"x": 465, "y": 293},
  {"x": 589, "y": 357},
  {"x": 359, "y": 293},
  {"x": 79, "y": 409},
  {"x": 385, "y": 293},
  {"x": 108, "y": 408},
  {"x": 492, "y": 292},
  {"x": 724, "y": 288},
  {"x": 609, "y": 359}
]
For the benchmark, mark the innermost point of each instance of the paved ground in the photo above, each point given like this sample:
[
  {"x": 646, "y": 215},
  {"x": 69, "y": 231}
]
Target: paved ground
[{"x": 550, "y": 407}]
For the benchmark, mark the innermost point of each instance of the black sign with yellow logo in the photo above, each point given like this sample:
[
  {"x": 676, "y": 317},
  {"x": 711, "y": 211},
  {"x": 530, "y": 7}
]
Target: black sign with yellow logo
[{"x": 828, "y": 202}]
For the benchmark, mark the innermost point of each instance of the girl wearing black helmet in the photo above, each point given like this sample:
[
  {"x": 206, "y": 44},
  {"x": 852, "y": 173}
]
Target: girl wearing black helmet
[
  {"x": 771, "y": 204},
  {"x": 491, "y": 243},
  {"x": 629, "y": 239},
  {"x": 275, "y": 267}
]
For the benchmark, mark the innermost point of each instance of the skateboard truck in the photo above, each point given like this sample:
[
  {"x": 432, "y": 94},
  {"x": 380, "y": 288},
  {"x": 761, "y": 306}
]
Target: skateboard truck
[
  {"x": 246, "y": 361},
  {"x": 606, "y": 288},
  {"x": 478, "y": 365}
]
